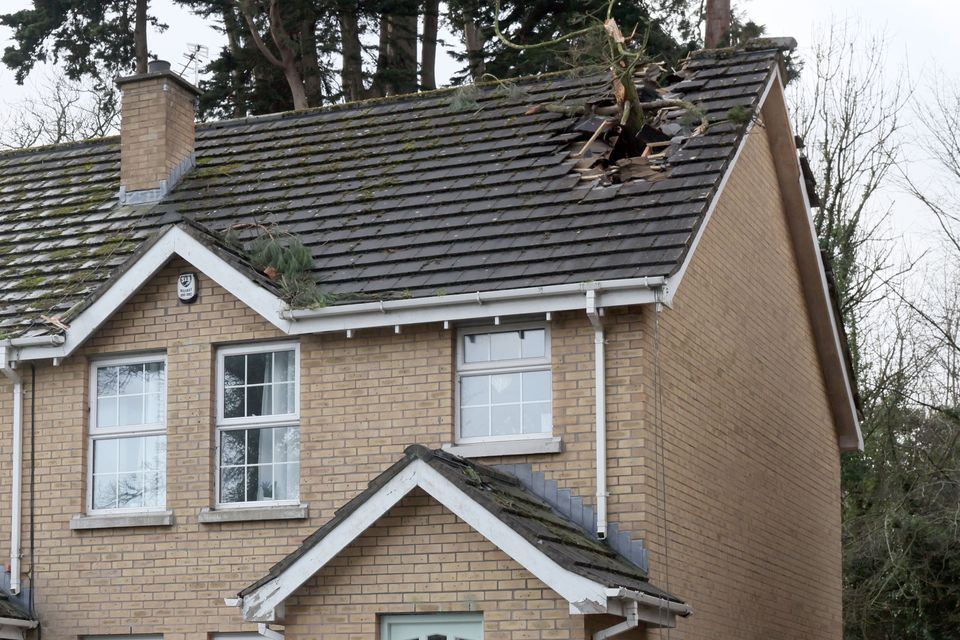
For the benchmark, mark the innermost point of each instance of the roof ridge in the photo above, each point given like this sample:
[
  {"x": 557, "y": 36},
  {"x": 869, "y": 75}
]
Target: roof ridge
[
  {"x": 399, "y": 98},
  {"x": 59, "y": 146}
]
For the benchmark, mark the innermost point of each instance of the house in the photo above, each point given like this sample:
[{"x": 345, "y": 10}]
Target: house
[{"x": 536, "y": 382}]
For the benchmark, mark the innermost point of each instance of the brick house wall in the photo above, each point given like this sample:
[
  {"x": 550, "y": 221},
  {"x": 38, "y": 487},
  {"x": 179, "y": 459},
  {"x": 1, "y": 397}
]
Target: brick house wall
[
  {"x": 749, "y": 440},
  {"x": 752, "y": 463}
]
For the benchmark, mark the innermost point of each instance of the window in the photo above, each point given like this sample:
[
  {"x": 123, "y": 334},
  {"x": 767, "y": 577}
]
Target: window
[
  {"x": 504, "y": 384},
  {"x": 128, "y": 441},
  {"x": 258, "y": 425},
  {"x": 440, "y": 626}
]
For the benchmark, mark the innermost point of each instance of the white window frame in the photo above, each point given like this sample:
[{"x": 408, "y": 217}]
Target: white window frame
[
  {"x": 95, "y": 433},
  {"x": 253, "y": 422},
  {"x": 501, "y": 366}
]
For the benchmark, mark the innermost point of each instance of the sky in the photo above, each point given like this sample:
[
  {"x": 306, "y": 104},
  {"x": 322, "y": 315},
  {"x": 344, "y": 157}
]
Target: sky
[{"x": 921, "y": 39}]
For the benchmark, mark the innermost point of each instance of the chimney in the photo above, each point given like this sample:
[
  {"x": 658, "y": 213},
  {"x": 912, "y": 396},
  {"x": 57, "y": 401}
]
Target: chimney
[
  {"x": 718, "y": 23},
  {"x": 156, "y": 132}
]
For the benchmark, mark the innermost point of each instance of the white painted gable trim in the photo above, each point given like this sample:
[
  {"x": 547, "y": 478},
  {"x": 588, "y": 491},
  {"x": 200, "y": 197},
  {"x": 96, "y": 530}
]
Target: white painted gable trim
[
  {"x": 174, "y": 242},
  {"x": 584, "y": 596}
]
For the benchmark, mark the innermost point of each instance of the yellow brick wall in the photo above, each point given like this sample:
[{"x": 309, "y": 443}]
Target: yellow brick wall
[
  {"x": 420, "y": 558},
  {"x": 157, "y": 117},
  {"x": 752, "y": 462}
]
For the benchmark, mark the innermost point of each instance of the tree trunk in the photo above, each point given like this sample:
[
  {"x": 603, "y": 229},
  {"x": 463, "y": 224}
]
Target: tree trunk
[
  {"x": 309, "y": 61},
  {"x": 297, "y": 90},
  {"x": 287, "y": 59},
  {"x": 351, "y": 73},
  {"x": 140, "y": 36},
  {"x": 405, "y": 52},
  {"x": 717, "y": 32},
  {"x": 231, "y": 27},
  {"x": 428, "y": 56},
  {"x": 473, "y": 39}
]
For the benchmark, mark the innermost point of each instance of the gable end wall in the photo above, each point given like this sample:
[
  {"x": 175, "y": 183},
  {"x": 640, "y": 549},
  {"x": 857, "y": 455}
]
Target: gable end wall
[{"x": 752, "y": 462}]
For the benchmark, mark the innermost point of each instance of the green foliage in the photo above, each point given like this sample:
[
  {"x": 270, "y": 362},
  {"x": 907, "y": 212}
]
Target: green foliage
[
  {"x": 739, "y": 114},
  {"x": 901, "y": 522},
  {"x": 89, "y": 38},
  {"x": 284, "y": 258},
  {"x": 669, "y": 36}
]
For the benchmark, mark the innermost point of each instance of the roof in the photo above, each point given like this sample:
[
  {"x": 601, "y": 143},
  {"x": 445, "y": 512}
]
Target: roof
[
  {"x": 431, "y": 194},
  {"x": 10, "y": 609},
  {"x": 500, "y": 496}
]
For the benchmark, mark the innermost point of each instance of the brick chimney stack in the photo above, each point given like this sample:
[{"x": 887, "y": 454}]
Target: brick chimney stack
[
  {"x": 156, "y": 132},
  {"x": 718, "y": 23}
]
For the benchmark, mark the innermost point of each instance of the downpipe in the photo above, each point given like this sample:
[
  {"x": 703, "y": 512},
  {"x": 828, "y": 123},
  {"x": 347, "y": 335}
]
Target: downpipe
[
  {"x": 15, "y": 497},
  {"x": 632, "y": 622},
  {"x": 595, "y": 316}
]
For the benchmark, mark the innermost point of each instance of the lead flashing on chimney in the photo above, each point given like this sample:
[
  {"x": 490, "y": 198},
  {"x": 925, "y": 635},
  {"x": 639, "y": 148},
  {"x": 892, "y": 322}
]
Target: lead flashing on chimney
[{"x": 149, "y": 196}]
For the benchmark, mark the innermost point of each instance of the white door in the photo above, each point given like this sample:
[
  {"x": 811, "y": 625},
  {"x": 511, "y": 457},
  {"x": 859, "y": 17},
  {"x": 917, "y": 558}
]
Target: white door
[{"x": 441, "y": 626}]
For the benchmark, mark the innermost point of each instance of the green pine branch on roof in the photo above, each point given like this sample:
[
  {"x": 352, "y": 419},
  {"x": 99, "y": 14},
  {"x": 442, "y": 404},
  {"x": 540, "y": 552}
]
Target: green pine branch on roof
[{"x": 282, "y": 257}]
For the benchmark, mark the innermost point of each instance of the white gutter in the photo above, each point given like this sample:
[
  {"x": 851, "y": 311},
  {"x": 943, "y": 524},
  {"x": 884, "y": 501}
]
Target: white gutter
[
  {"x": 15, "y": 491},
  {"x": 676, "y": 608},
  {"x": 600, "y": 377}
]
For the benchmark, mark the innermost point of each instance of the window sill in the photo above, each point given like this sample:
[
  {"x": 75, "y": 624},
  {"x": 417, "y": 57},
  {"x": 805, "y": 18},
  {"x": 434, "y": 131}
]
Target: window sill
[
  {"x": 82, "y": 522},
  {"x": 247, "y": 514},
  {"x": 529, "y": 446}
]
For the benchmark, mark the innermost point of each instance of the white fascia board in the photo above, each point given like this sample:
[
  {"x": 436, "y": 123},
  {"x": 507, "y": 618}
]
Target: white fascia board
[
  {"x": 673, "y": 282},
  {"x": 583, "y": 595},
  {"x": 855, "y": 444},
  {"x": 174, "y": 242},
  {"x": 471, "y": 306},
  {"x": 259, "y": 605},
  {"x": 846, "y": 443}
]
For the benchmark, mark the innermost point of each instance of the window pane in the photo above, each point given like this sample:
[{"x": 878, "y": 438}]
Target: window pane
[
  {"x": 131, "y": 454},
  {"x": 505, "y": 388},
  {"x": 106, "y": 381},
  {"x": 154, "y": 490},
  {"x": 104, "y": 456},
  {"x": 105, "y": 492},
  {"x": 474, "y": 390},
  {"x": 505, "y": 345},
  {"x": 287, "y": 481},
  {"x": 284, "y": 366},
  {"x": 231, "y": 447},
  {"x": 153, "y": 408},
  {"x": 130, "y": 492},
  {"x": 233, "y": 403},
  {"x": 537, "y": 417},
  {"x": 505, "y": 420},
  {"x": 131, "y": 379},
  {"x": 259, "y": 368},
  {"x": 536, "y": 386},
  {"x": 154, "y": 377},
  {"x": 231, "y": 484},
  {"x": 233, "y": 370},
  {"x": 130, "y": 410},
  {"x": 474, "y": 422},
  {"x": 476, "y": 347},
  {"x": 286, "y": 442},
  {"x": 259, "y": 446},
  {"x": 106, "y": 412},
  {"x": 259, "y": 401},
  {"x": 155, "y": 454},
  {"x": 283, "y": 398},
  {"x": 533, "y": 343},
  {"x": 259, "y": 483}
]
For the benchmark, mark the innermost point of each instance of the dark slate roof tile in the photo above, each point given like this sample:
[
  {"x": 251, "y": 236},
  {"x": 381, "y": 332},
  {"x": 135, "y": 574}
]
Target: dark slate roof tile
[{"x": 439, "y": 199}]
